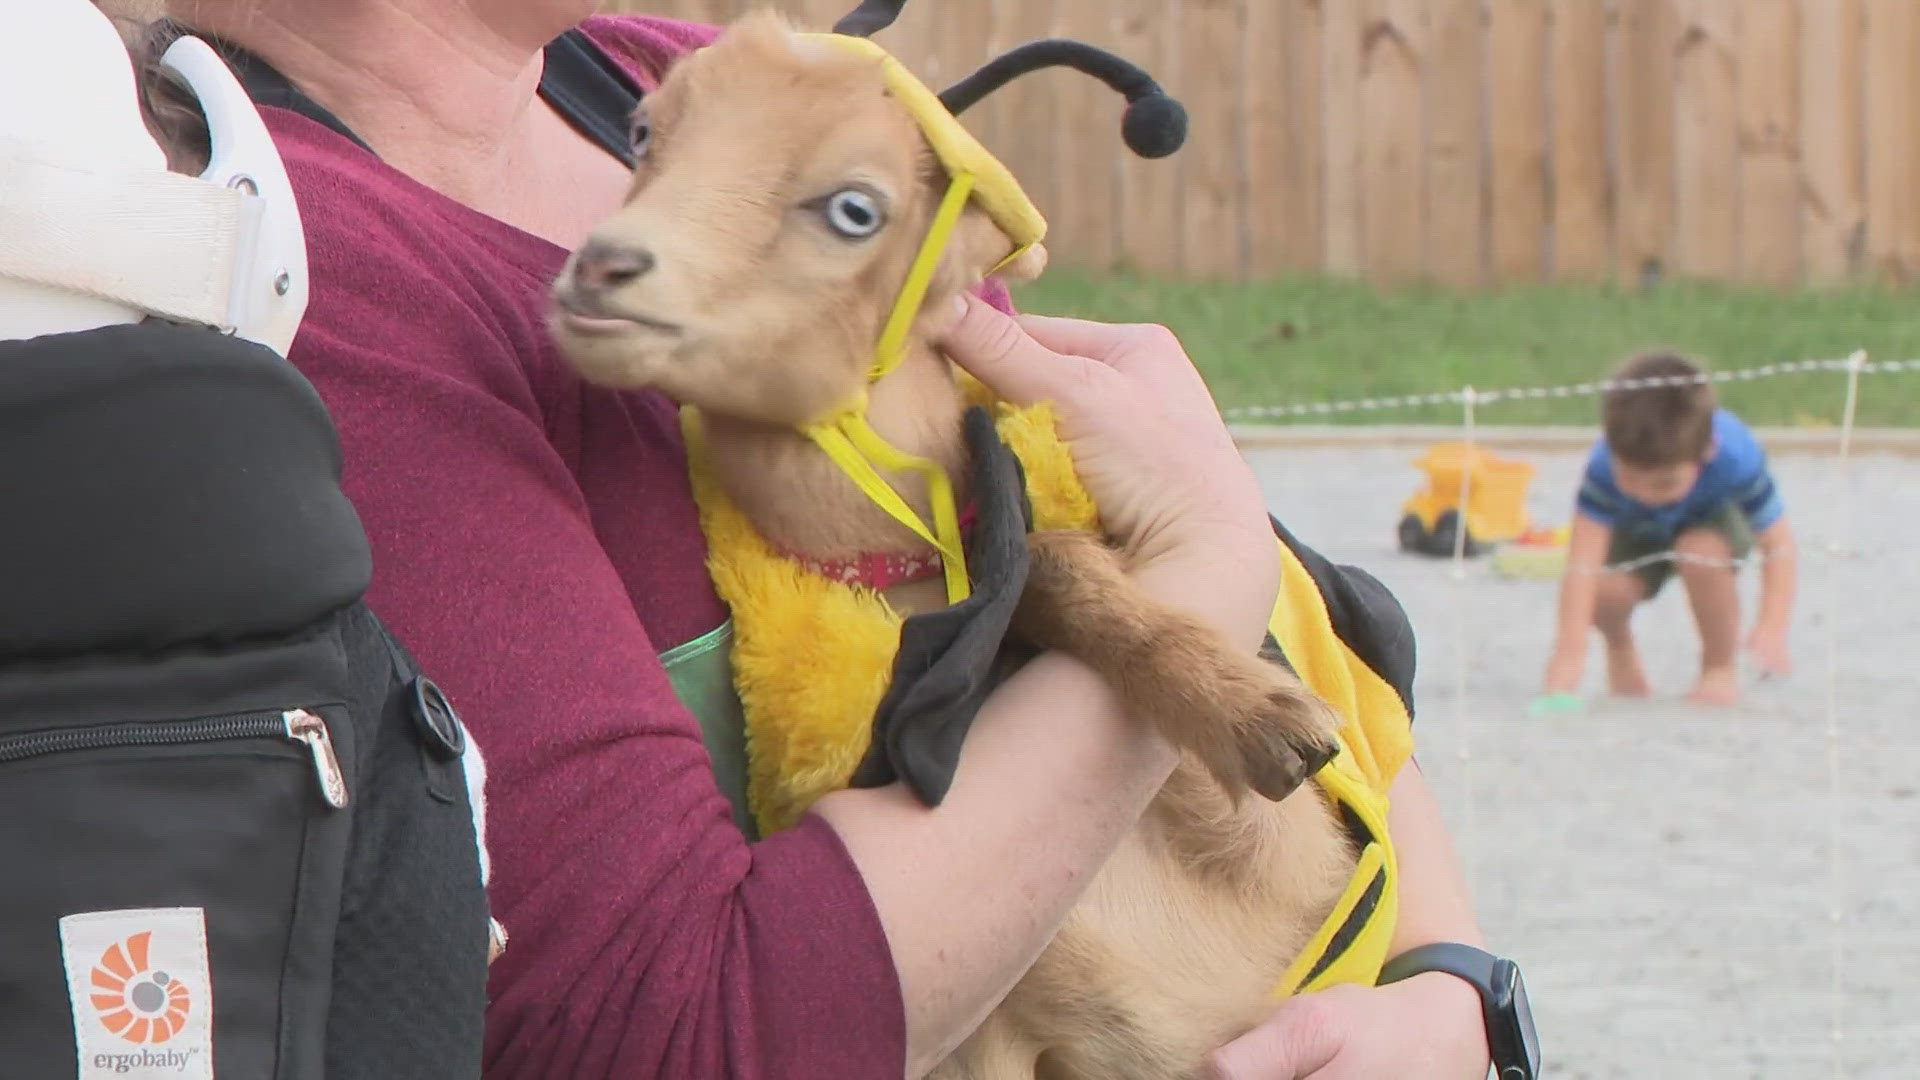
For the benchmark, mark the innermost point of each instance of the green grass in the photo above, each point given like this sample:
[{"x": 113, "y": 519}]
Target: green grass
[{"x": 1314, "y": 339}]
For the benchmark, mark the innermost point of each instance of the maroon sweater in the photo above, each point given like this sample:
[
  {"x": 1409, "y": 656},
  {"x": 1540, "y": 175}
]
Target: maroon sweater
[{"x": 537, "y": 548}]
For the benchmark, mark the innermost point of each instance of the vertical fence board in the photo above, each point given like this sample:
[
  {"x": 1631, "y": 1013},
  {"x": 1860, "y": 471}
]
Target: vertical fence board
[
  {"x": 1029, "y": 112},
  {"x": 1707, "y": 206},
  {"x": 1343, "y": 133},
  {"x": 1893, "y": 155},
  {"x": 911, "y": 39},
  {"x": 1645, "y": 35},
  {"x": 1833, "y": 214},
  {"x": 1582, "y": 203},
  {"x": 963, "y": 40},
  {"x": 1209, "y": 166},
  {"x": 1081, "y": 226},
  {"x": 1769, "y": 141},
  {"x": 1285, "y": 140},
  {"x": 715, "y": 11},
  {"x": 817, "y": 15},
  {"x": 1393, "y": 191},
  {"x": 1517, "y": 138},
  {"x": 1148, "y": 33},
  {"x": 1456, "y": 144}
]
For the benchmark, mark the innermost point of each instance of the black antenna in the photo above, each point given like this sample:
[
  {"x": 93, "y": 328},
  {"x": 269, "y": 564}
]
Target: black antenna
[
  {"x": 871, "y": 17},
  {"x": 1155, "y": 125}
]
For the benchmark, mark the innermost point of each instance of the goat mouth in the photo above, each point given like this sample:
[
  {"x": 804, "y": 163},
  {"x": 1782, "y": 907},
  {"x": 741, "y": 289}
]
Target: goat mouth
[{"x": 590, "y": 320}]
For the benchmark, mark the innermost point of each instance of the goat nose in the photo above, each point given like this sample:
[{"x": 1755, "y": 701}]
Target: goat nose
[{"x": 602, "y": 265}]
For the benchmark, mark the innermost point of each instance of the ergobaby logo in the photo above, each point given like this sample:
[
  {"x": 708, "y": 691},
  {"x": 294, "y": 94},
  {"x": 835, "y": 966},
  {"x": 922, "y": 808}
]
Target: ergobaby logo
[
  {"x": 137, "y": 1001},
  {"x": 141, "y": 993}
]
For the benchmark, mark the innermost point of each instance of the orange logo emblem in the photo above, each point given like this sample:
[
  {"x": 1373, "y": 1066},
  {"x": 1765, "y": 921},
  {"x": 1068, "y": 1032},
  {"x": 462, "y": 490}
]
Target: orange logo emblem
[{"x": 138, "y": 1004}]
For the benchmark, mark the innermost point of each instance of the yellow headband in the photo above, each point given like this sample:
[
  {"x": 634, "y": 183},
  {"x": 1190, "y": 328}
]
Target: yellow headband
[{"x": 995, "y": 189}]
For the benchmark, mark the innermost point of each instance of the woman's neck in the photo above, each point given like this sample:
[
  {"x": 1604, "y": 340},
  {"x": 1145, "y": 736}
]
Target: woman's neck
[{"x": 446, "y": 91}]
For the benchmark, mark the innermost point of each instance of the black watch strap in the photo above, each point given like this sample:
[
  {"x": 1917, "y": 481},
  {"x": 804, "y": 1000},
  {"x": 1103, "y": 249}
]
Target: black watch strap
[
  {"x": 1503, "y": 1000},
  {"x": 1473, "y": 965}
]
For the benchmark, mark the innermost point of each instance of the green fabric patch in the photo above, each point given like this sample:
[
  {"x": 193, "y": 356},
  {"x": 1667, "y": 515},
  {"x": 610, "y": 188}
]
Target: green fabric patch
[{"x": 702, "y": 674}]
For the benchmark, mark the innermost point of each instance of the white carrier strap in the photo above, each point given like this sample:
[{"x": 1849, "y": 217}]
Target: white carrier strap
[
  {"x": 95, "y": 230},
  {"x": 159, "y": 242}
]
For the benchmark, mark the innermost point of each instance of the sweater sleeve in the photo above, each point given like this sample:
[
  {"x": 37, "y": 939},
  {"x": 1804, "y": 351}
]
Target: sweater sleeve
[{"x": 648, "y": 938}]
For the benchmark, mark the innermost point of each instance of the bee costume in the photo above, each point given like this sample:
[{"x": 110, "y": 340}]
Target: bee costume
[{"x": 835, "y": 689}]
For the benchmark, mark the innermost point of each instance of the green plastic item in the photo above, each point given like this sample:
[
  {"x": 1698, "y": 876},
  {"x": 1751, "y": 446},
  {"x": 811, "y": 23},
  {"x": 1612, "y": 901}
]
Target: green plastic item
[{"x": 1560, "y": 704}]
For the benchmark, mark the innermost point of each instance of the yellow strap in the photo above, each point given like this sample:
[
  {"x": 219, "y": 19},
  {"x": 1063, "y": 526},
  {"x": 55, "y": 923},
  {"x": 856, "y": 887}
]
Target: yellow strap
[
  {"x": 893, "y": 339},
  {"x": 1372, "y": 861},
  {"x": 853, "y": 444},
  {"x": 856, "y": 447}
]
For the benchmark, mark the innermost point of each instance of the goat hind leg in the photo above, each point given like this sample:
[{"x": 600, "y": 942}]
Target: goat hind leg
[{"x": 1250, "y": 722}]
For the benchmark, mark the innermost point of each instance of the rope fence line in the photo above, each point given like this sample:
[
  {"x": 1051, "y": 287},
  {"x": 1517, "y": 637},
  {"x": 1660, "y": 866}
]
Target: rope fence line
[
  {"x": 1627, "y": 566},
  {"x": 1469, "y": 398},
  {"x": 1856, "y": 364}
]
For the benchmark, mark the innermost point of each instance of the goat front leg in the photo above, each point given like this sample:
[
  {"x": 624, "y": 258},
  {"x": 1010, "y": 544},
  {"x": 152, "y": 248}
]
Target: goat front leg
[{"x": 1250, "y": 722}]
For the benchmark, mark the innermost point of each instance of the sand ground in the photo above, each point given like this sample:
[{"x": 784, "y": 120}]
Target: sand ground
[{"x": 1666, "y": 873}]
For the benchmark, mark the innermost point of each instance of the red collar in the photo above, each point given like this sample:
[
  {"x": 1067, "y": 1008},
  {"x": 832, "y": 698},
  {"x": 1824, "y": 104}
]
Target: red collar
[{"x": 881, "y": 570}]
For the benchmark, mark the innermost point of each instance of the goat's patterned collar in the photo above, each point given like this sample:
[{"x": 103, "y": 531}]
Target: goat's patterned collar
[{"x": 882, "y": 570}]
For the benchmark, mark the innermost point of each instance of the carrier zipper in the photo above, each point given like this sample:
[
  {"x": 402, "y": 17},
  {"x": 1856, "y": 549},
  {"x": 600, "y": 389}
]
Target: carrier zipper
[
  {"x": 310, "y": 729},
  {"x": 298, "y": 725}
]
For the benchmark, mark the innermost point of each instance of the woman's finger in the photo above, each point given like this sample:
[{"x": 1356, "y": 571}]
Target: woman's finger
[
  {"x": 1149, "y": 356},
  {"x": 1082, "y": 337},
  {"x": 1143, "y": 351},
  {"x": 998, "y": 351},
  {"x": 1298, "y": 1040}
]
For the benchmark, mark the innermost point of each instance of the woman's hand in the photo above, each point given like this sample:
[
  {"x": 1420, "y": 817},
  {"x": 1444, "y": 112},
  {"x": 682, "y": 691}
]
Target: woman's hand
[
  {"x": 1429, "y": 1026},
  {"x": 1146, "y": 437}
]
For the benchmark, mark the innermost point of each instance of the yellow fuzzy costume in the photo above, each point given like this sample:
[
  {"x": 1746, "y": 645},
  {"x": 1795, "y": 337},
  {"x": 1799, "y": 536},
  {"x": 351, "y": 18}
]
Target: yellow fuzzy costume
[{"x": 812, "y": 657}]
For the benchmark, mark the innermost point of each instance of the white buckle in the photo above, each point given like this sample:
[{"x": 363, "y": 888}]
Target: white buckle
[{"x": 268, "y": 287}]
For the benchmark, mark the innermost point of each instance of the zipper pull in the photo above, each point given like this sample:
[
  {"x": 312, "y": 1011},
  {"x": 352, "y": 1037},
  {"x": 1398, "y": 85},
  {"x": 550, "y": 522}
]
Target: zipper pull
[{"x": 303, "y": 726}]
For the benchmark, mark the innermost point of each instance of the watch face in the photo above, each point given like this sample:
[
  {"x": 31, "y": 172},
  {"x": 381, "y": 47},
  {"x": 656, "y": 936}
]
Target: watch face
[{"x": 1523, "y": 1018}]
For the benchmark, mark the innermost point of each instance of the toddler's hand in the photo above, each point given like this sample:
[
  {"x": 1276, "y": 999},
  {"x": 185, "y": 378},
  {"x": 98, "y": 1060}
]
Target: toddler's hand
[{"x": 1768, "y": 647}]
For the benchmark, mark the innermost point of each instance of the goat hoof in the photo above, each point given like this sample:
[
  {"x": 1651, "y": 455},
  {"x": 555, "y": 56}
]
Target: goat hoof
[
  {"x": 1290, "y": 741},
  {"x": 1276, "y": 776}
]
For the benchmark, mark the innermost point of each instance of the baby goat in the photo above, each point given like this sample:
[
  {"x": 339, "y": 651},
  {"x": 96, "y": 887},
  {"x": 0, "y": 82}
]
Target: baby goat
[{"x": 780, "y": 198}]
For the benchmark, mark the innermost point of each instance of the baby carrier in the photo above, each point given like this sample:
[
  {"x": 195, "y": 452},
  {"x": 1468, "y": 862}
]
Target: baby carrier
[{"x": 239, "y": 829}]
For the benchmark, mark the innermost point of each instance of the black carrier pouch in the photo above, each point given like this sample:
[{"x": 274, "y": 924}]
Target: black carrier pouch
[{"x": 206, "y": 748}]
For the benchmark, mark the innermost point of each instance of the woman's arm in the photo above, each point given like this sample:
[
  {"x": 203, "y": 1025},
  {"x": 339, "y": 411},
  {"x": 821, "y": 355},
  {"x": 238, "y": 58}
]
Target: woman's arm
[
  {"x": 1434, "y": 901},
  {"x": 1054, "y": 776}
]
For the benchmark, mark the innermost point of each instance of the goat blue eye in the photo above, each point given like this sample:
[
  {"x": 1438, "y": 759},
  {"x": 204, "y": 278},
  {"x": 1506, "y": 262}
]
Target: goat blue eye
[
  {"x": 639, "y": 135},
  {"x": 854, "y": 214}
]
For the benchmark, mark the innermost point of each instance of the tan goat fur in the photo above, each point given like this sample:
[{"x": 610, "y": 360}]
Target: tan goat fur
[{"x": 751, "y": 308}]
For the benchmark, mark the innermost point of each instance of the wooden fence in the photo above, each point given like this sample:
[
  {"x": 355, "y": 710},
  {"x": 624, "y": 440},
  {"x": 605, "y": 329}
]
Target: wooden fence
[{"x": 1463, "y": 141}]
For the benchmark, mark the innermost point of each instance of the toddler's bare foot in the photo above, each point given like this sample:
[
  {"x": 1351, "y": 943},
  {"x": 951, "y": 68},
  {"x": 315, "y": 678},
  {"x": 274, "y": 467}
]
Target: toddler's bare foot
[
  {"x": 1717, "y": 686},
  {"x": 1625, "y": 677}
]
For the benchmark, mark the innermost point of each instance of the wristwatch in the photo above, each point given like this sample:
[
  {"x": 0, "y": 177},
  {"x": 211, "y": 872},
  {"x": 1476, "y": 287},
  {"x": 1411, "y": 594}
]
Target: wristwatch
[{"x": 1503, "y": 1000}]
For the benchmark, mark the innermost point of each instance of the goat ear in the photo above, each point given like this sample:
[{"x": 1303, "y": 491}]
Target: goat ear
[
  {"x": 977, "y": 247},
  {"x": 1030, "y": 264}
]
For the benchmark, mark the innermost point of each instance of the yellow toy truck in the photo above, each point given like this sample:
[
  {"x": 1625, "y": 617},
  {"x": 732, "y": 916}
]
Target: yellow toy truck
[{"x": 1496, "y": 500}]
